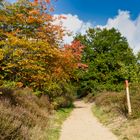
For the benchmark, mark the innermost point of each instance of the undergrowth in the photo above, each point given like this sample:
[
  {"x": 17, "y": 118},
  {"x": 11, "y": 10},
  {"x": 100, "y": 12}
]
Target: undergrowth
[
  {"x": 23, "y": 116},
  {"x": 111, "y": 110}
]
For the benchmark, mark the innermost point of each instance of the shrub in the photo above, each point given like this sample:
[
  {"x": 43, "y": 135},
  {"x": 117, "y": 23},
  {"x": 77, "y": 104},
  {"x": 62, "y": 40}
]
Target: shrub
[
  {"x": 61, "y": 94},
  {"x": 135, "y": 100},
  {"x": 22, "y": 114},
  {"x": 117, "y": 103},
  {"x": 8, "y": 84}
]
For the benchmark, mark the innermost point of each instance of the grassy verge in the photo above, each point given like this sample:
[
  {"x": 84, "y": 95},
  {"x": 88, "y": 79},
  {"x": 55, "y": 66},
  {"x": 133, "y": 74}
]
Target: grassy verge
[
  {"x": 101, "y": 115},
  {"x": 109, "y": 113},
  {"x": 23, "y": 115},
  {"x": 56, "y": 122}
]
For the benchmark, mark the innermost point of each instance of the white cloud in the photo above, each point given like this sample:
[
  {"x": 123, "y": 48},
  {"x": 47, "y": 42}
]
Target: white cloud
[
  {"x": 123, "y": 22},
  {"x": 74, "y": 25},
  {"x": 128, "y": 27}
]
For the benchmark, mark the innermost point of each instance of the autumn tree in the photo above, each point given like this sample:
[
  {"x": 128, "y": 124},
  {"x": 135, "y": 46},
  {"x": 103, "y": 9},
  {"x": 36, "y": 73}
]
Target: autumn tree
[{"x": 29, "y": 50}]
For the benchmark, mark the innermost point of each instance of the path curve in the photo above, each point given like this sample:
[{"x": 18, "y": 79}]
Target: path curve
[{"x": 82, "y": 125}]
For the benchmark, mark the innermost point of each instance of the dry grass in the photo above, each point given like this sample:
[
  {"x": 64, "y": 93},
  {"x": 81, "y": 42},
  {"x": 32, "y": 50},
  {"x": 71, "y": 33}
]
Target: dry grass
[
  {"x": 111, "y": 110},
  {"x": 23, "y": 115},
  {"x": 125, "y": 129}
]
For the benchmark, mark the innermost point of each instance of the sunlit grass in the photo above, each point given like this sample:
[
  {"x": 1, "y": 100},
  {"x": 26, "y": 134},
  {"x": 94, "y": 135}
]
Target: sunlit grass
[
  {"x": 125, "y": 129},
  {"x": 56, "y": 122}
]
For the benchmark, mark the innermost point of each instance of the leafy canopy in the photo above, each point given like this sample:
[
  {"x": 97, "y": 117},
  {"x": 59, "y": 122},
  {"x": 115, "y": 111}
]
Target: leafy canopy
[
  {"x": 30, "y": 52},
  {"x": 109, "y": 58}
]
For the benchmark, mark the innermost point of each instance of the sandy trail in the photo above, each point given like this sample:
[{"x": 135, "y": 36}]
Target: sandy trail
[{"x": 82, "y": 125}]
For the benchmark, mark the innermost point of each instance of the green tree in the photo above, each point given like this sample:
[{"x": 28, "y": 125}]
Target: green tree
[
  {"x": 109, "y": 58},
  {"x": 1, "y": 4},
  {"x": 138, "y": 56},
  {"x": 138, "y": 64}
]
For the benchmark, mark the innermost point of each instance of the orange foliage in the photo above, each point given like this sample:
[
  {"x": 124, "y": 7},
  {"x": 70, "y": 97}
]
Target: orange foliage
[
  {"x": 30, "y": 53},
  {"x": 48, "y": 1}
]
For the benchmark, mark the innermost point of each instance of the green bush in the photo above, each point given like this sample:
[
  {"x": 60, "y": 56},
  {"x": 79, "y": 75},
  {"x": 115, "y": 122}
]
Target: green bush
[
  {"x": 61, "y": 94},
  {"x": 8, "y": 84}
]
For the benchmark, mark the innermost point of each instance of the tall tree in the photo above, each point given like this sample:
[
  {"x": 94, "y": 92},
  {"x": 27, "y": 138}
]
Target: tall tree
[
  {"x": 30, "y": 54},
  {"x": 109, "y": 58}
]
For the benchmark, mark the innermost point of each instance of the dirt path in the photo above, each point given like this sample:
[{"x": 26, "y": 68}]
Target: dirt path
[{"x": 82, "y": 125}]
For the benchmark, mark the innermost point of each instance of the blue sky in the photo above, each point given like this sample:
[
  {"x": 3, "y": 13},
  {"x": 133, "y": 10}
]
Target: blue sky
[
  {"x": 123, "y": 15},
  {"x": 97, "y": 11}
]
